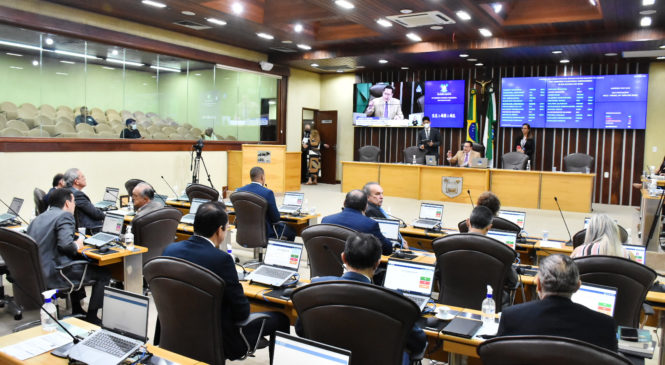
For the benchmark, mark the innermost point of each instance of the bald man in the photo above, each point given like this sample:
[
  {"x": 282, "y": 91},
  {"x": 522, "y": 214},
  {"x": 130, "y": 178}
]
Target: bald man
[{"x": 143, "y": 196}]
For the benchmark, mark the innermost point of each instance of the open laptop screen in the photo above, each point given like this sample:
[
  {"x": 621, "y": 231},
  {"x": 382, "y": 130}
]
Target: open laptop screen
[
  {"x": 111, "y": 194},
  {"x": 513, "y": 216},
  {"x": 196, "y": 203},
  {"x": 293, "y": 199},
  {"x": 586, "y": 222},
  {"x": 389, "y": 228},
  {"x": 640, "y": 252},
  {"x": 596, "y": 297},
  {"x": 113, "y": 223},
  {"x": 409, "y": 277},
  {"x": 15, "y": 206},
  {"x": 125, "y": 313},
  {"x": 431, "y": 211},
  {"x": 283, "y": 253},
  {"x": 506, "y": 237},
  {"x": 291, "y": 350}
]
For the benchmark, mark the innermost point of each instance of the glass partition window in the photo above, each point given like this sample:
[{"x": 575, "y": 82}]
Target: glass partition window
[{"x": 73, "y": 88}]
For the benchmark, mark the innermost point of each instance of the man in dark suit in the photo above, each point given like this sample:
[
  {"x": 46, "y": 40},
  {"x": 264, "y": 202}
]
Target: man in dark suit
[
  {"x": 55, "y": 234},
  {"x": 58, "y": 182},
  {"x": 210, "y": 227},
  {"x": 555, "y": 314},
  {"x": 429, "y": 139},
  {"x": 374, "y": 193},
  {"x": 257, "y": 186},
  {"x": 353, "y": 217},
  {"x": 87, "y": 214},
  {"x": 361, "y": 257}
]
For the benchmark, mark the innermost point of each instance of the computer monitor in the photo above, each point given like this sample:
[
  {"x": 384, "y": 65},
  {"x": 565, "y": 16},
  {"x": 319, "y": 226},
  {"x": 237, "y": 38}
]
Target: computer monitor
[
  {"x": 596, "y": 297},
  {"x": 640, "y": 253},
  {"x": 196, "y": 203},
  {"x": 431, "y": 211},
  {"x": 291, "y": 350},
  {"x": 389, "y": 228},
  {"x": 283, "y": 253},
  {"x": 111, "y": 194},
  {"x": 508, "y": 238},
  {"x": 409, "y": 277},
  {"x": 513, "y": 216},
  {"x": 291, "y": 198}
]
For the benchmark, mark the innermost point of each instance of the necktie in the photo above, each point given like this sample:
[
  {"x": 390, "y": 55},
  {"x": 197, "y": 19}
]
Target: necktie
[
  {"x": 426, "y": 133},
  {"x": 466, "y": 159},
  {"x": 385, "y": 110}
]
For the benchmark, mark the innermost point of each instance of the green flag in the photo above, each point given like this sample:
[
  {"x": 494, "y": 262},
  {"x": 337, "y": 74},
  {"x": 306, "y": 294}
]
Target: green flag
[{"x": 488, "y": 133}]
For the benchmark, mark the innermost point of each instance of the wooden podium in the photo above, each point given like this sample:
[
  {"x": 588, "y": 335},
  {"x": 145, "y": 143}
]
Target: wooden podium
[{"x": 282, "y": 168}]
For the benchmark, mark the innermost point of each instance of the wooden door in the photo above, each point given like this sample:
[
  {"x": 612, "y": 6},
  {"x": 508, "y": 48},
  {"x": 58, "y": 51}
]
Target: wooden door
[{"x": 326, "y": 123}]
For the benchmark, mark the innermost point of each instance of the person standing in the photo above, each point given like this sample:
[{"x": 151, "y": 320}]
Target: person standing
[
  {"x": 526, "y": 144},
  {"x": 313, "y": 149},
  {"x": 429, "y": 139}
]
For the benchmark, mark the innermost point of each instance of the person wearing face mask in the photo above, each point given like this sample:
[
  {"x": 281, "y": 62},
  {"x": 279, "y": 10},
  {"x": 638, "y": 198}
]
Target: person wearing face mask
[
  {"x": 130, "y": 131},
  {"x": 429, "y": 139}
]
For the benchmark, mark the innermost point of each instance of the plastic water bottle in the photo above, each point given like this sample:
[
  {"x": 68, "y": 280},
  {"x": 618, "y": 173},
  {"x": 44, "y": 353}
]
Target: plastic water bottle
[
  {"x": 48, "y": 324},
  {"x": 488, "y": 307},
  {"x": 229, "y": 250},
  {"x": 129, "y": 238},
  {"x": 414, "y": 159},
  {"x": 528, "y": 165},
  {"x": 130, "y": 206}
]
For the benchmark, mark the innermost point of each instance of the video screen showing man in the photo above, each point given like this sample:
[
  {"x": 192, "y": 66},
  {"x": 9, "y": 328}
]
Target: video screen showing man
[{"x": 385, "y": 107}]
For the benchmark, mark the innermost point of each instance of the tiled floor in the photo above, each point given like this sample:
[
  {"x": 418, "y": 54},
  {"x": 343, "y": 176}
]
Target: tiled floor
[{"x": 327, "y": 199}]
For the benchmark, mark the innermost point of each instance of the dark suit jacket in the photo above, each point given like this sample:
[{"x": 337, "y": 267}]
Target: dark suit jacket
[
  {"x": 559, "y": 316},
  {"x": 54, "y": 231},
  {"x": 529, "y": 147},
  {"x": 235, "y": 306},
  {"x": 150, "y": 206},
  {"x": 434, "y": 136},
  {"x": 272, "y": 215},
  {"x": 88, "y": 216},
  {"x": 374, "y": 211},
  {"x": 355, "y": 220}
]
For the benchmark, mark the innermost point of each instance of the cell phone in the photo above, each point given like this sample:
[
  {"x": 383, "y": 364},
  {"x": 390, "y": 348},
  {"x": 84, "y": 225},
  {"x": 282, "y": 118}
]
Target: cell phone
[{"x": 628, "y": 334}]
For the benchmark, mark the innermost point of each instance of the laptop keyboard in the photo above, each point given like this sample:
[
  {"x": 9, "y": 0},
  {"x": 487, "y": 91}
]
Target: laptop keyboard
[
  {"x": 104, "y": 237},
  {"x": 273, "y": 272},
  {"x": 420, "y": 301},
  {"x": 109, "y": 344},
  {"x": 426, "y": 222}
]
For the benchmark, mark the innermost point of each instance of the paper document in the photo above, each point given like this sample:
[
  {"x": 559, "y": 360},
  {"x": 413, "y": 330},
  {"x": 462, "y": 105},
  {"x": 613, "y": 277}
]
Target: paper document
[
  {"x": 551, "y": 244},
  {"x": 37, "y": 345}
]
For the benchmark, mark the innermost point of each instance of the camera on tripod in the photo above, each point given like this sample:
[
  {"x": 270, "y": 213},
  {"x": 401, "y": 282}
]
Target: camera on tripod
[{"x": 198, "y": 146}]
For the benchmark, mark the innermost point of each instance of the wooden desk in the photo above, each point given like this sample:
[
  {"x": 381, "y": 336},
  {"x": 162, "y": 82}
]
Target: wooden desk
[
  {"x": 124, "y": 265},
  {"x": 516, "y": 188},
  {"x": 48, "y": 359},
  {"x": 573, "y": 190},
  {"x": 356, "y": 174},
  {"x": 546, "y": 251}
]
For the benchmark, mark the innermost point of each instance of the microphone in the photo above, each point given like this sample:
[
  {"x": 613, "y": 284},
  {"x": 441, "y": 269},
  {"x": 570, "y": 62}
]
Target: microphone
[
  {"x": 13, "y": 211},
  {"x": 402, "y": 223},
  {"x": 170, "y": 187},
  {"x": 469, "y": 192},
  {"x": 564, "y": 219},
  {"x": 339, "y": 261}
]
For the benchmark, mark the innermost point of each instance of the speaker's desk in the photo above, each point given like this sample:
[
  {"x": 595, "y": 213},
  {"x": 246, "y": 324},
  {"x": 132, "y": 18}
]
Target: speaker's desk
[{"x": 124, "y": 264}]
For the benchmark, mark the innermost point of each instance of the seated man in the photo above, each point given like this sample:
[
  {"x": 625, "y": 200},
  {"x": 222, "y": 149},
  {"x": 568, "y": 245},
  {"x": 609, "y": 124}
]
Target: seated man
[
  {"x": 210, "y": 228},
  {"x": 130, "y": 131},
  {"x": 85, "y": 118},
  {"x": 209, "y": 135},
  {"x": 353, "y": 217},
  {"x": 361, "y": 257},
  {"x": 555, "y": 314},
  {"x": 87, "y": 214},
  {"x": 465, "y": 157},
  {"x": 143, "y": 197},
  {"x": 58, "y": 182},
  {"x": 55, "y": 234},
  {"x": 374, "y": 193},
  {"x": 257, "y": 186}
]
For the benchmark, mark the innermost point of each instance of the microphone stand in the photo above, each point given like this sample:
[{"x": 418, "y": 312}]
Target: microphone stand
[{"x": 564, "y": 221}]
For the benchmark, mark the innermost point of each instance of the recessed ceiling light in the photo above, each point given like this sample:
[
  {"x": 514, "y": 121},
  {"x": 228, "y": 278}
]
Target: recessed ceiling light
[
  {"x": 497, "y": 7},
  {"x": 265, "y": 35},
  {"x": 162, "y": 68},
  {"x": 383, "y": 61},
  {"x": 471, "y": 59},
  {"x": 479, "y": 64},
  {"x": 154, "y": 3},
  {"x": 14, "y": 54},
  {"x": 20, "y": 45},
  {"x": 464, "y": 55},
  {"x": 485, "y": 32},
  {"x": 187, "y": 12},
  {"x": 197, "y": 74},
  {"x": 414, "y": 37},
  {"x": 35, "y": 63},
  {"x": 108, "y": 68},
  {"x": 130, "y": 63},
  {"x": 340, "y": 71},
  {"x": 74, "y": 54},
  {"x": 344, "y": 4},
  {"x": 48, "y": 41},
  {"x": 645, "y": 21},
  {"x": 304, "y": 46},
  {"x": 564, "y": 60},
  {"x": 360, "y": 66},
  {"x": 660, "y": 58},
  {"x": 16, "y": 67},
  {"x": 287, "y": 42},
  {"x": 557, "y": 52},
  {"x": 67, "y": 62},
  {"x": 610, "y": 54},
  {"x": 404, "y": 68},
  {"x": 216, "y": 21},
  {"x": 647, "y": 12},
  {"x": 62, "y": 73},
  {"x": 114, "y": 52},
  {"x": 463, "y": 15},
  {"x": 662, "y": 47},
  {"x": 592, "y": 2},
  {"x": 436, "y": 27},
  {"x": 406, "y": 11},
  {"x": 384, "y": 23},
  {"x": 648, "y": 2},
  {"x": 298, "y": 28},
  {"x": 314, "y": 65},
  {"x": 237, "y": 8}
]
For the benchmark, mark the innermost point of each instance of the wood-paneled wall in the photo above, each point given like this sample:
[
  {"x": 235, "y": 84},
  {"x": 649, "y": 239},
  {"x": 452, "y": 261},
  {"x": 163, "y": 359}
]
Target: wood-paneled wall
[{"x": 617, "y": 153}]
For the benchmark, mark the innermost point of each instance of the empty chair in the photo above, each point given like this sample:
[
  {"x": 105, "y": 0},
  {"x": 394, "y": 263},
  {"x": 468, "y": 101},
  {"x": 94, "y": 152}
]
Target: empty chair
[
  {"x": 17, "y": 124},
  {"x": 187, "y": 125},
  {"x": 176, "y": 136},
  {"x": 545, "y": 350},
  {"x": 514, "y": 161},
  {"x": 632, "y": 280},
  {"x": 411, "y": 151},
  {"x": 139, "y": 115},
  {"x": 182, "y": 130},
  {"x": 28, "y": 107},
  {"x": 156, "y": 230},
  {"x": 47, "y": 109},
  {"x": 64, "y": 119},
  {"x": 195, "y": 131},
  {"x": 497, "y": 223},
  {"x": 154, "y": 129},
  {"x": 324, "y": 244},
  {"x": 480, "y": 148},
  {"x": 202, "y": 192},
  {"x": 230, "y": 138},
  {"x": 369, "y": 153},
  {"x": 577, "y": 162},
  {"x": 40, "y": 205},
  {"x": 12, "y": 132},
  {"x": 86, "y": 133},
  {"x": 10, "y": 110},
  {"x": 159, "y": 135},
  {"x": 64, "y": 127},
  {"x": 168, "y": 130},
  {"x": 103, "y": 127},
  {"x": 85, "y": 127},
  {"x": 44, "y": 120},
  {"x": 107, "y": 135},
  {"x": 38, "y": 132}
]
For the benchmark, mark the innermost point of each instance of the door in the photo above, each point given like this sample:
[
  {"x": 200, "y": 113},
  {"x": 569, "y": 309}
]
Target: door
[{"x": 326, "y": 123}]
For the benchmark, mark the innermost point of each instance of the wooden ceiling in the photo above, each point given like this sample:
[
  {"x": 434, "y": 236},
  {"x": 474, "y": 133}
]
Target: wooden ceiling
[{"x": 523, "y": 31}]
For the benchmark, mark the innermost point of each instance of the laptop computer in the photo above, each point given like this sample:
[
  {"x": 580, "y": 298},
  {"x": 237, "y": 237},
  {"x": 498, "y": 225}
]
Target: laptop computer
[
  {"x": 600, "y": 298},
  {"x": 292, "y": 350},
  {"x": 12, "y": 212},
  {"x": 479, "y": 163},
  {"x": 390, "y": 230},
  {"x": 292, "y": 202},
  {"x": 124, "y": 330},
  {"x": 640, "y": 253},
  {"x": 111, "y": 229},
  {"x": 430, "y": 160},
  {"x": 431, "y": 215},
  {"x": 109, "y": 199},
  {"x": 412, "y": 279},
  {"x": 513, "y": 216},
  {"x": 508, "y": 238},
  {"x": 189, "y": 217},
  {"x": 281, "y": 261},
  {"x": 586, "y": 222}
]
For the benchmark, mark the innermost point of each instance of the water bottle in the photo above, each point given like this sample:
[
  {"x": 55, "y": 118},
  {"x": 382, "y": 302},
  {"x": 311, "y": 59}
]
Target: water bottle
[
  {"x": 414, "y": 159},
  {"x": 528, "y": 165},
  {"x": 229, "y": 250},
  {"x": 48, "y": 324},
  {"x": 488, "y": 307},
  {"x": 130, "y": 206},
  {"x": 629, "y": 232},
  {"x": 129, "y": 238}
]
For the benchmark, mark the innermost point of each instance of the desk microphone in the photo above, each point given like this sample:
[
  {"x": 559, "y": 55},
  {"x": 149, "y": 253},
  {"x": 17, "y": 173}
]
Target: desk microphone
[
  {"x": 339, "y": 261},
  {"x": 564, "y": 219},
  {"x": 13, "y": 211},
  {"x": 402, "y": 223},
  {"x": 170, "y": 187},
  {"x": 469, "y": 192}
]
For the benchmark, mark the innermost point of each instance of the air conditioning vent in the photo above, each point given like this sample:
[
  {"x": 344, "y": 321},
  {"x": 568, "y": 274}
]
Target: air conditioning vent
[
  {"x": 335, "y": 68},
  {"x": 283, "y": 49},
  {"x": 414, "y": 20},
  {"x": 192, "y": 25}
]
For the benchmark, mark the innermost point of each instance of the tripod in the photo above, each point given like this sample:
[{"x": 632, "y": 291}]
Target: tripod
[{"x": 195, "y": 164}]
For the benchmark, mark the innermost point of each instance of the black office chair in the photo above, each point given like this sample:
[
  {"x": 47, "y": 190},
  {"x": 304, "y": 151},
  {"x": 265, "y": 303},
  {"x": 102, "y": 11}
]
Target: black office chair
[
  {"x": 545, "y": 350},
  {"x": 189, "y": 301},
  {"x": 577, "y": 162},
  {"x": 131, "y": 184},
  {"x": 156, "y": 230},
  {"x": 514, "y": 161},
  {"x": 324, "y": 244},
  {"x": 368, "y": 154},
  {"x": 411, "y": 151},
  {"x": 497, "y": 223},
  {"x": 480, "y": 148},
  {"x": 632, "y": 280},
  {"x": 371, "y": 321},
  {"x": 6, "y": 300},
  {"x": 201, "y": 192},
  {"x": 40, "y": 205},
  {"x": 466, "y": 264},
  {"x": 250, "y": 210}
]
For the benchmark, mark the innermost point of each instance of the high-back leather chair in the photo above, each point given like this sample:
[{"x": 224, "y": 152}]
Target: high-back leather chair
[
  {"x": 40, "y": 205},
  {"x": 580, "y": 236},
  {"x": 632, "y": 280},
  {"x": 131, "y": 184},
  {"x": 467, "y": 263},
  {"x": 497, "y": 223},
  {"x": 514, "y": 160},
  {"x": 202, "y": 192},
  {"x": 250, "y": 210},
  {"x": 545, "y": 350},
  {"x": 480, "y": 148},
  {"x": 577, "y": 162},
  {"x": 411, "y": 151},
  {"x": 332, "y": 311},
  {"x": 156, "y": 230},
  {"x": 368, "y": 154},
  {"x": 324, "y": 244}
]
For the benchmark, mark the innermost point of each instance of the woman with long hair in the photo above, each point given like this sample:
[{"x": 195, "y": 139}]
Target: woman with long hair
[
  {"x": 602, "y": 238},
  {"x": 525, "y": 143}
]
